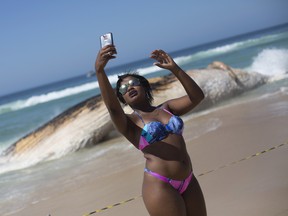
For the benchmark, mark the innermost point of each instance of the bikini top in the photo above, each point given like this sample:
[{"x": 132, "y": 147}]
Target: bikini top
[{"x": 156, "y": 131}]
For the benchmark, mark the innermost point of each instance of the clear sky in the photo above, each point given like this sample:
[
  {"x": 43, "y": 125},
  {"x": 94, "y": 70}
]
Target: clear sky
[{"x": 47, "y": 41}]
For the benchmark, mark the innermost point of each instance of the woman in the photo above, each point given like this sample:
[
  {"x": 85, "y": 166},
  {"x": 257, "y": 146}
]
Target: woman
[{"x": 169, "y": 187}]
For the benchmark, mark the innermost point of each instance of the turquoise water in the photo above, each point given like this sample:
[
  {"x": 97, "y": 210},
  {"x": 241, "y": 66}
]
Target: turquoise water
[{"x": 264, "y": 51}]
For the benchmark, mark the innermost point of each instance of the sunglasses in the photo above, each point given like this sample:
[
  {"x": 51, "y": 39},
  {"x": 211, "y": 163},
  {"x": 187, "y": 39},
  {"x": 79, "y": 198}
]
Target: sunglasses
[{"x": 124, "y": 87}]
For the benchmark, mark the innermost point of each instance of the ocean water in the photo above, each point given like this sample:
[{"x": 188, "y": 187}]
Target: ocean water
[{"x": 264, "y": 51}]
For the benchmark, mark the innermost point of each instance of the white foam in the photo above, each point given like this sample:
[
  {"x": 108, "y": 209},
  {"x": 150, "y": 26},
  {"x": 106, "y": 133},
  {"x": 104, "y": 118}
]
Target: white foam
[
  {"x": 44, "y": 98},
  {"x": 271, "y": 62},
  {"x": 148, "y": 70},
  {"x": 284, "y": 90},
  {"x": 238, "y": 46}
]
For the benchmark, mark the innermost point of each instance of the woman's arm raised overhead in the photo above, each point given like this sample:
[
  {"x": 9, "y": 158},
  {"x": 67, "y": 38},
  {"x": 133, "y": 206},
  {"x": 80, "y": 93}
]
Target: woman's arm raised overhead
[
  {"x": 116, "y": 112},
  {"x": 195, "y": 95}
]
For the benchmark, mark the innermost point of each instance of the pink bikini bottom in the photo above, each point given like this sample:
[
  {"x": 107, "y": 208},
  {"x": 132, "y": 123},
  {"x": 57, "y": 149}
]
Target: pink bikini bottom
[{"x": 179, "y": 185}]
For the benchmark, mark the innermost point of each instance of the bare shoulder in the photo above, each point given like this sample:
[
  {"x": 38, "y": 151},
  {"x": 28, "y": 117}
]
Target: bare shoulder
[
  {"x": 179, "y": 106},
  {"x": 164, "y": 105}
]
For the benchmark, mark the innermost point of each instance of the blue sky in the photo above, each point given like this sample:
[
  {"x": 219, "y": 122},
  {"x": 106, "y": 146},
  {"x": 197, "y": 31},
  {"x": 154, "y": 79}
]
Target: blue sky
[{"x": 48, "y": 41}]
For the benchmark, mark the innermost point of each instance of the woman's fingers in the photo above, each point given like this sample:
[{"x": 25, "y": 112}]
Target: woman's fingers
[
  {"x": 163, "y": 59},
  {"x": 108, "y": 51},
  {"x": 159, "y": 54},
  {"x": 104, "y": 55}
]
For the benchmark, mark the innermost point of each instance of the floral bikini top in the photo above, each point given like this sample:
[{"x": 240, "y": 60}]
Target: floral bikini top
[{"x": 156, "y": 131}]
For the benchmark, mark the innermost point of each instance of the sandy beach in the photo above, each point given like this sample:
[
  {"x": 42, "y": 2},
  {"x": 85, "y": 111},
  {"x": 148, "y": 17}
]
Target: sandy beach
[{"x": 238, "y": 177}]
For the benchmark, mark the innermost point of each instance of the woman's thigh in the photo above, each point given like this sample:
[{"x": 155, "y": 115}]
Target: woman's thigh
[
  {"x": 161, "y": 198},
  {"x": 194, "y": 199}
]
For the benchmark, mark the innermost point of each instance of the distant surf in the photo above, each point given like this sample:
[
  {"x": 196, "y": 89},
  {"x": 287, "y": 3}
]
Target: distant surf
[{"x": 271, "y": 62}]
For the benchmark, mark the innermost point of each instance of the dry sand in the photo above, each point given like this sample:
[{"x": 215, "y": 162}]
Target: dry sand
[{"x": 252, "y": 187}]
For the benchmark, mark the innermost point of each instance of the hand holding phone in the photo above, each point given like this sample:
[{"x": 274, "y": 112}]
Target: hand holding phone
[{"x": 107, "y": 39}]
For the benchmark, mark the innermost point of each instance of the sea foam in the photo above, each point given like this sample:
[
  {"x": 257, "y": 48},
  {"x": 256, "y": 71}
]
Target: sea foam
[
  {"x": 271, "y": 62},
  {"x": 44, "y": 98}
]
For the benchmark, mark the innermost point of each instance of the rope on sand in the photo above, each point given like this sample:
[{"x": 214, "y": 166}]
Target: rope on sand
[
  {"x": 202, "y": 174},
  {"x": 111, "y": 206},
  {"x": 243, "y": 159}
]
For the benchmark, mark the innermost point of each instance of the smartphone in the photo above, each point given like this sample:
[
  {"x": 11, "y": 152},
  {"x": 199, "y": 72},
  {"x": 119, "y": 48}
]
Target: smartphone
[{"x": 106, "y": 39}]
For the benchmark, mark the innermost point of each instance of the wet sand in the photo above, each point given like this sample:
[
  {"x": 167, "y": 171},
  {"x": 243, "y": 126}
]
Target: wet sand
[{"x": 256, "y": 185}]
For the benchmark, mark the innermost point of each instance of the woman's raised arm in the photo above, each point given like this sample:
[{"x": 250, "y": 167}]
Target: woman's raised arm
[
  {"x": 195, "y": 95},
  {"x": 115, "y": 110}
]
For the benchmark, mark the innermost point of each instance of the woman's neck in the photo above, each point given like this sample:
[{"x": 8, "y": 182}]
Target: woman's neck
[{"x": 143, "y": 108}]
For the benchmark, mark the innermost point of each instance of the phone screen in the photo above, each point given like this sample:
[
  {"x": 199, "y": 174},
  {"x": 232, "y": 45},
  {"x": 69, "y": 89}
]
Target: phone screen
[{"x": 106, "y": 39}]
